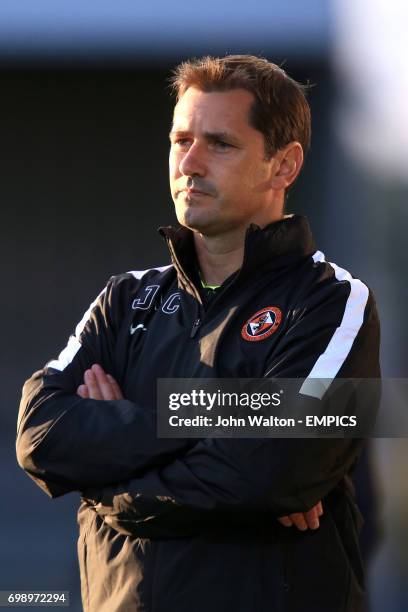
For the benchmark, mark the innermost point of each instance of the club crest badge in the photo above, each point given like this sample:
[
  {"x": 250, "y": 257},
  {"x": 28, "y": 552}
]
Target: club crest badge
[{"x": 262, "y": 324}]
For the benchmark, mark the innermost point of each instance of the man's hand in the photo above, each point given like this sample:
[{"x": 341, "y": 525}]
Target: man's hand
[
  {"x": 99, "y": 385},
  {"x": 303, "y": 520}
]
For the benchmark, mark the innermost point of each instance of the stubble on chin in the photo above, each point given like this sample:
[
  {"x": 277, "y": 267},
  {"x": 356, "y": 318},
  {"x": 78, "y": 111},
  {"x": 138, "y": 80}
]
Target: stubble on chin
[
  {"x": 192, "y": 218},
  {"x": 202, "y": 217}
]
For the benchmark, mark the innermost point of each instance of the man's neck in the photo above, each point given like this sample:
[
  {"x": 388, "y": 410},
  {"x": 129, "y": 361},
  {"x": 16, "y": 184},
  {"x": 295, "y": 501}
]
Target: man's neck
[
  {"x": 218, "y": 259},
  {"x": 222, "y": 254}
]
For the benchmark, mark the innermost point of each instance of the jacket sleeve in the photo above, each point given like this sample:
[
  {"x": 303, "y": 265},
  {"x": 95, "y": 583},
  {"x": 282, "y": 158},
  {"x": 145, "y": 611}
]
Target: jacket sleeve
[
  {"x": 67, "y": 443},
  {"x": 334, "y": 335}
]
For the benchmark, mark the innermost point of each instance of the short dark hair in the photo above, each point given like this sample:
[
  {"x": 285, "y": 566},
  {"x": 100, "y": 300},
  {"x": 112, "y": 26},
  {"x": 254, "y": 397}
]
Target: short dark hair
[{"x": 280, "y": 110}]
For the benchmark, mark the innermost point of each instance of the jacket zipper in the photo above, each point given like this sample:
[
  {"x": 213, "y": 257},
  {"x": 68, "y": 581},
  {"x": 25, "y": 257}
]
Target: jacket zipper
[
  {"x": 199, "y": 318},
  {"x": 196, "y": 327}
]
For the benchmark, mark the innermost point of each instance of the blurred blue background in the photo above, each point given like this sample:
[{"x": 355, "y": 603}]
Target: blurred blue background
[
  {"x": 154, "y": 30},
  {"x": 84, "y": 117}
]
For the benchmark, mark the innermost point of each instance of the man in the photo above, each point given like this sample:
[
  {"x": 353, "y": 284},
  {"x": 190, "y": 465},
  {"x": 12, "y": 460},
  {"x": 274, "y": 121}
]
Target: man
[{"x": 221, "y": 524}]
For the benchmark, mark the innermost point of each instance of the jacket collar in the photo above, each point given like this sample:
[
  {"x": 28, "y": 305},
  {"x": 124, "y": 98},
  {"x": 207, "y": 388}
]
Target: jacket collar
[{"x": 278, "y": 245}]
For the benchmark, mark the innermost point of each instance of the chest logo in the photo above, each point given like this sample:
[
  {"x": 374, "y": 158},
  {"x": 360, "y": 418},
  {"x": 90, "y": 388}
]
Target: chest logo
[
  {"x": 140, "y": 326},
  {"x": 262, "y": 324}
]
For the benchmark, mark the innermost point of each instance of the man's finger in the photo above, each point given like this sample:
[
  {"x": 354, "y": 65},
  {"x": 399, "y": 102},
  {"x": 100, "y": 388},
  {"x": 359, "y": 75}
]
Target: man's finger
[
  {"x": 298, "y": 520},
  {"x": 312, "y": 518},
  {"x": 106, "y": 388},
  {"x": 83, "y": 392},
  {"x": 116, "y": 389},
  {"x": 93, "y": 385},
  {"x": 285, "y": 521},
  {"x": 319, "y": 508}
]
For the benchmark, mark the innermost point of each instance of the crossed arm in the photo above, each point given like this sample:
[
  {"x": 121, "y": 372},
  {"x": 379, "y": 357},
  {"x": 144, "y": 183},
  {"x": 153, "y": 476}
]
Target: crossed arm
[
  {"x": 77, "y": 432},
  {"x": 101, "y": 386}
]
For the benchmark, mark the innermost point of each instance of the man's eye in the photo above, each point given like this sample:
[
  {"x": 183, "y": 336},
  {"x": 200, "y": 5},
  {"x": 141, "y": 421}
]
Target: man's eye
[
  {"x": 180, "y": 142},
  {"x": 220, "y": 144}
]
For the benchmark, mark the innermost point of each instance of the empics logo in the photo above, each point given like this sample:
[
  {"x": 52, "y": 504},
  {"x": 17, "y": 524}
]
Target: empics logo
[{"x": 262, "y": 324}]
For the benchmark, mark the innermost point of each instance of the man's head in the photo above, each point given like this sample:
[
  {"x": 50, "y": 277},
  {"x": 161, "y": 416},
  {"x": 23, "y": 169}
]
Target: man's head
[{"x": 240, "y": 130}]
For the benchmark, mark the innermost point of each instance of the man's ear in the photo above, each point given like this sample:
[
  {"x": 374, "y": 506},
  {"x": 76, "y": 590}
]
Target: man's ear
[{"x": 288, "y": 162}]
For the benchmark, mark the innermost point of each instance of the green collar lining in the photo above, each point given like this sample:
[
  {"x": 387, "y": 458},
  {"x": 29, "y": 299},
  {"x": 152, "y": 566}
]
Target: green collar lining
[{"x": 205, "y": 285}]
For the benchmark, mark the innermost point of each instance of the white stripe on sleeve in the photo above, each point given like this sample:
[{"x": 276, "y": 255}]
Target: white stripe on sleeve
[
  {"x": 329, "y": 363},
  {"x": 73, "y": 346},
  {"x": 139, "y": 273}
]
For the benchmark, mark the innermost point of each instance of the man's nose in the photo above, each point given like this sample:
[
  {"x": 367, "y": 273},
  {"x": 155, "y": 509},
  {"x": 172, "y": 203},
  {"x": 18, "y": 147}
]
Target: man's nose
[{"x": 193, "y": 162}]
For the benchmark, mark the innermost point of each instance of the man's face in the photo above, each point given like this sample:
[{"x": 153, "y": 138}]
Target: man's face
[{"x": 219, "y": 178}]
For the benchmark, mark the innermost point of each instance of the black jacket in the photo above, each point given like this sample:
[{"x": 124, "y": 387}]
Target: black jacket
[{"x": 187, "y": 524}]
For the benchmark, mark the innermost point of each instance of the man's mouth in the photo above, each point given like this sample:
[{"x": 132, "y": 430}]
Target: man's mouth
[{"x": 193, "y": 191}]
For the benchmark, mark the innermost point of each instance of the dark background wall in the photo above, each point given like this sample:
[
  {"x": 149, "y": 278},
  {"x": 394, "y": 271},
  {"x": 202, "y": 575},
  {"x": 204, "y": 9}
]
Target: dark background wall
[{"x": 83, "y": 187}]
